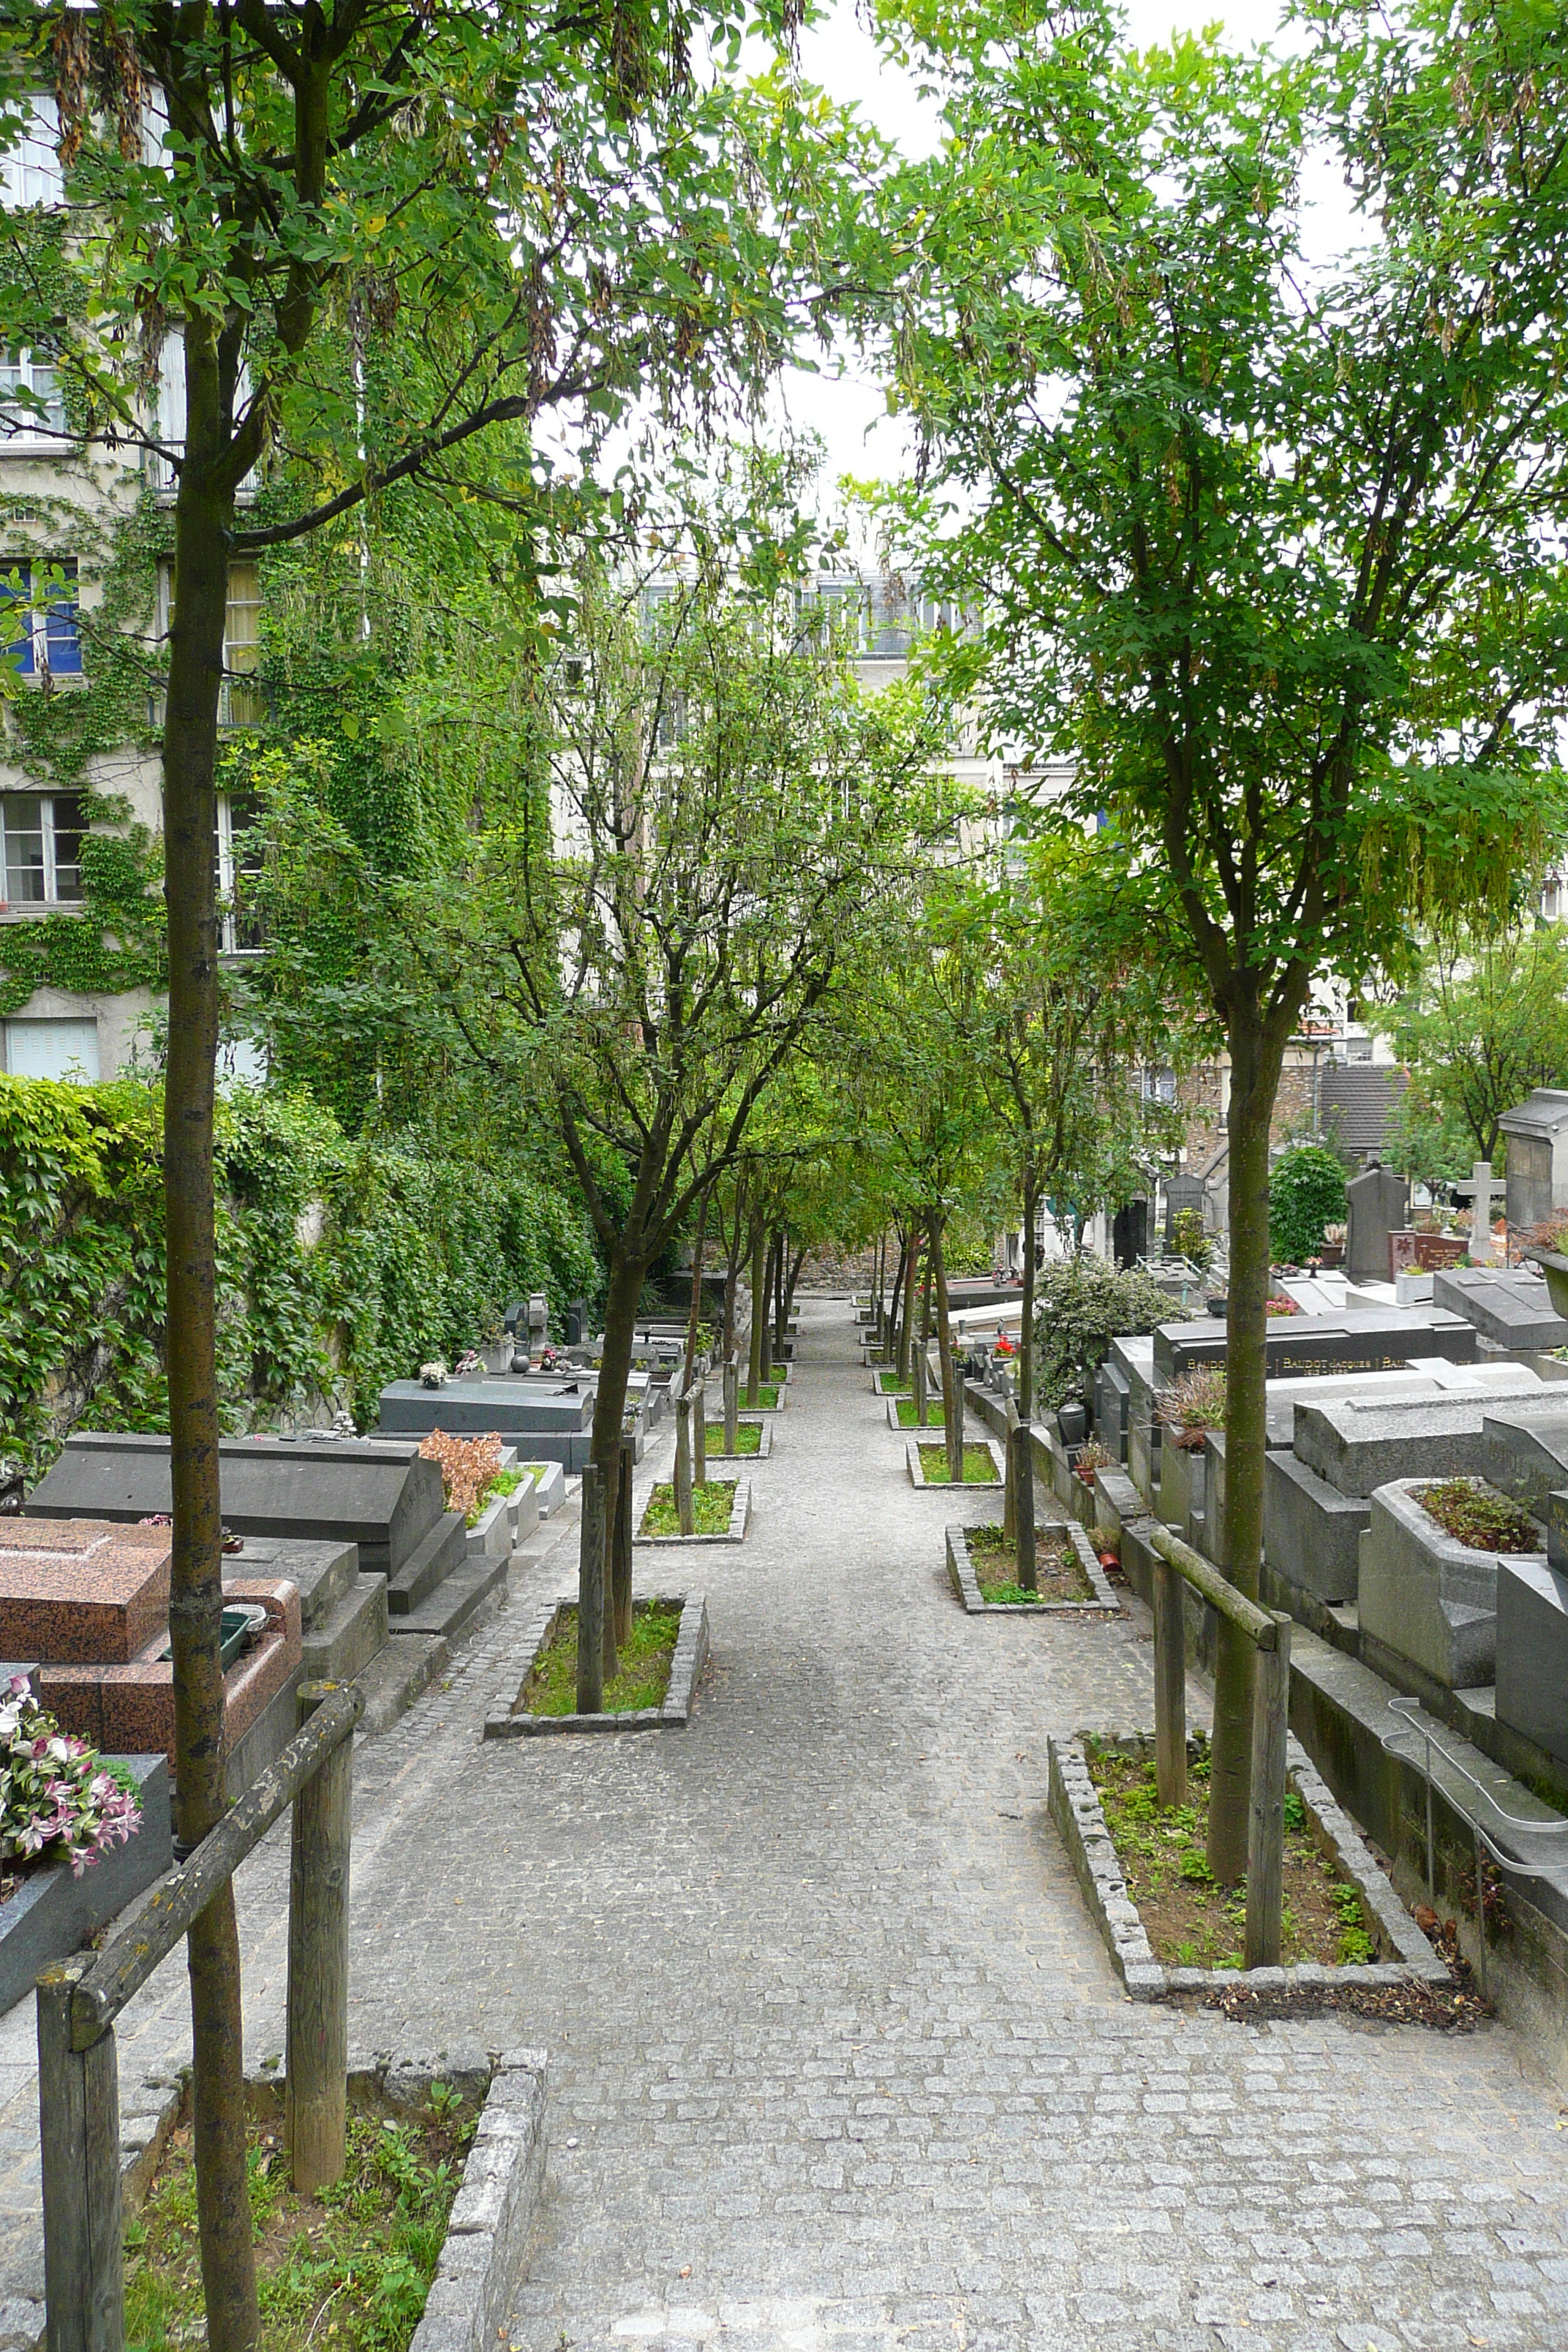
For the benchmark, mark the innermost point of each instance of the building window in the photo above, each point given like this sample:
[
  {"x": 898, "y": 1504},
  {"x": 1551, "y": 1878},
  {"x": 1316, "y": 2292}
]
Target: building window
[
  {"x": 42, "y": 833},
  {"x": 42, "y": 416},
  {"x": 39, "y": 632},
  {"x": 53, "y": 1049},
  {"x": 30, "y": 168},
  {"x": 242, "y": 698},
  {"x": 239, "y": 865},
  {"x": 1159, "y": 1086}
]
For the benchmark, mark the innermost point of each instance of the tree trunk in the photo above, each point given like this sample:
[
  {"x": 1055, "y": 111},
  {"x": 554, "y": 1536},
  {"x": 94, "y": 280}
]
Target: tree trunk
[
  {"x": 766, "y": 1308},
  {"x": 910, "y": 1256},
  {"x": 754, "y": 1359},
  {"x": 793, "y": 1278},
  {"x": 203, "y": 516},
  {"x": 780, "y": 1309},
  {"x": 609, "y": 1654},
  {"x": 1027, "y": 1336},
  {"x": 953, "y": 1425},
  {"x": 889, "y": 1333},
  {"x": 1256, "y": 1057},
  {"x": 627, "y": 1276},
  {"x": 694, "y": 1318}
]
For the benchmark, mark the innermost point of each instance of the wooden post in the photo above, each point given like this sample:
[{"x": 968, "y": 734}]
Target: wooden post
[
  {"x": 732, "y": 1405},
  {"x": 1021, "y": 1463},
  {"x": 609, "y": 1648},
  {"x": 918, "y": 1381},
  {"x": 79, "y": 2120},
  {"x": 1266, "y": 1821},
  {"x": 1010, "y": 1485},
  {"x": 317, "y": 2033},
  {"x": 591, "y": 1596},
  {"x": 700, "y": 1433},
  {"x": 955, "y": 1434},
  {"x": 1170, "y": 1685},
  {"x": 621, "y": 1569},
  {"x": 683, "y": 1462}
]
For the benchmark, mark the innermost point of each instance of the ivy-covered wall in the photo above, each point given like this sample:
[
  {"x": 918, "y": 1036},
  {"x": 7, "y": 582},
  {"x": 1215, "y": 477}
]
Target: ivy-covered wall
[{"x": 344, "y": 1263}]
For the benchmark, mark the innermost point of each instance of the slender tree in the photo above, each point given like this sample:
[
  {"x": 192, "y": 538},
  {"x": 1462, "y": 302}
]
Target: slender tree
[{"x": 1269, "y": 551}]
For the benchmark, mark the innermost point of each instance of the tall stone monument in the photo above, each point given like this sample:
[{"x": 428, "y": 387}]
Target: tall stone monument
[
  {"x": 1377, "y": 1204},
  {"x": 1537, "y": 1136}
]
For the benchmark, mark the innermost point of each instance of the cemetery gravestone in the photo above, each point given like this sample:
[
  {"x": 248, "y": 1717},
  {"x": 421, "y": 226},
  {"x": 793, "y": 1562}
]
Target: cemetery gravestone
[
  {"x": 1480, "y": 1191},
  {"x": 1510, "y": 1307},
  {"x": 1537, "y": 1136},
  {"x": 1377, "y": 1203},
  {"x": 1427, "y": 1600},
  {"x": 1379, "y": 1340},
  {"x": 1182, "y": 1192}
]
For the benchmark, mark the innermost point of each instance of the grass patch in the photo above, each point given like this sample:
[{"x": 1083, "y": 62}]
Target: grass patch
[
  {"x": 935, "y": 1417},
  {"x": 763, "y": 1400},
  {"x": 890, "y": 1384},
  {"x": 979, "y": 1469},
  {"x": 351, "y": 2268},
  {"x": 995, "y": 1562},
  {"x": 1475, "y": 1514},
  {"x": 711, "y": 1504},
  {"x": 1191, "y": 1920},
  {"x": 748, "y": 1437},
  {"x": 643, "y": 1677}
]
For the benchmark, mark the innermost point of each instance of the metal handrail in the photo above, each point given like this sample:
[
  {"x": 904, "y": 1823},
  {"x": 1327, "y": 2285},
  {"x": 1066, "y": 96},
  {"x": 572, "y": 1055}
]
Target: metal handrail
[{"x": 1485, "y": 1844}]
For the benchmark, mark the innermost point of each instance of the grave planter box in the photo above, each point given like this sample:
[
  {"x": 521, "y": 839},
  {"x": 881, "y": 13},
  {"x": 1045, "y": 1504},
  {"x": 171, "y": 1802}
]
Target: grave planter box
[
  {"x": 966, "y": 1584},
  {"x": 1074, "y": 1808},
  {"x": 549, "y": 1485},
  {"x": 1555, "y": 1266},
  {"x": 1425, "y": 1599},
  {"x": 525, "y": 1507},
  {"x": 489, "y": 1538},
  {"x": 509, "y": 1722},
  {"x": 740, "y": 1512},
  {"x": 52, "y": 1913},
  {"x": 941, "y": 1485},
  {"x": 899, "y": 1428},
  {"x": 764, "y": 1430}
]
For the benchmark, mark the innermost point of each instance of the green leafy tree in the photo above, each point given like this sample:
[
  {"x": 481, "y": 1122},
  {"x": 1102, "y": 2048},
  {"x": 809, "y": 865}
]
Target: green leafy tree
[
  {"x": 1484, "y": 1020},
  {"x": 566, "y": 217},
  {"x": 654, "y": 927},
  {"x": 1084, "y": 1304},
  {"x": 1305, "y": 1193},
  {"x": 1238, "y": 528}
]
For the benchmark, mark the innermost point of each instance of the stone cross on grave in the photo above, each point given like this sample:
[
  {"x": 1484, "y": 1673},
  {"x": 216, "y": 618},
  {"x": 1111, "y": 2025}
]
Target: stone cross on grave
[{"x": 1482, "y": 1191}]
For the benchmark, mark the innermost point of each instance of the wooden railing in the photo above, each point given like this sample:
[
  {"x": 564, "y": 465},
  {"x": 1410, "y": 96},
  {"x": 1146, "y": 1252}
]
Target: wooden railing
[
  {"x": 1270, "y": 1633},
  {"x": 79, "y": 1999}
]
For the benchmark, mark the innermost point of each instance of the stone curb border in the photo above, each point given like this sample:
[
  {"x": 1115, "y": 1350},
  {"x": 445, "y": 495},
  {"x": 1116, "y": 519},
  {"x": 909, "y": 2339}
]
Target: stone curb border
[
  {"x": 749, "y": 1420},
  {"x": 493, "y": 2214},
  {"x": 944, "y": 1486},
  {"x": 739, "y": 1513},
  {"x": 685, "y": 1672},
  {"x": 966, "y": 1584},
  {"x": 933, "y": 1430},
  {"x": 1075, "y": 1807}
]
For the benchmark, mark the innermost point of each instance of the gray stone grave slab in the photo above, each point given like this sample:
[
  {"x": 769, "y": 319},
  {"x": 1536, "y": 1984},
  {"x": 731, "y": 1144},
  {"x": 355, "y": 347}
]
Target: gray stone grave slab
[
  {"x": 1427, "y": 1600},
  {"x": 1528, "y": 1451},
  {"x": 1532, "y": 1652},
  {"x": 1355, "y": 1448},
  {"x": 545, "y": 1426},
  {"x": 1377, "y": 1202},
  {"x": 1112, "y": 1397},
  {"x": 1512, "y": 1308},
  {"x": 1312, "y": 1533},
  {"x": 1376, "y": 1340},
  {"x": 344, "y": 1490}
]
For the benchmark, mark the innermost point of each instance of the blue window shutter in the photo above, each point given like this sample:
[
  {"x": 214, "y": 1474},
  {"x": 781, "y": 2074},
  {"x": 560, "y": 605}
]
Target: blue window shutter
[
  {"x": 17, "y": 625},
  {"x": 62, "y": 633}
]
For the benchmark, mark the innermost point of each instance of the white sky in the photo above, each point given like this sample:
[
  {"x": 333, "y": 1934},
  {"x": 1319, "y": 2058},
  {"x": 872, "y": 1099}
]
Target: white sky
[{"x": 850, "y": 412}]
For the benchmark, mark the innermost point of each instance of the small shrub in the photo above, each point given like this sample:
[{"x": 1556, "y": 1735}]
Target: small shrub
[
  {"x": 1473, "y": 1514},
  {"x": 1189, "y": 1240},
  {"x": 1083, "y": 1305},
  {"x": 1306, "y": 1195},
  {"x": 1092, "y": 1456},
  {"x": 468, "y": 1465}
]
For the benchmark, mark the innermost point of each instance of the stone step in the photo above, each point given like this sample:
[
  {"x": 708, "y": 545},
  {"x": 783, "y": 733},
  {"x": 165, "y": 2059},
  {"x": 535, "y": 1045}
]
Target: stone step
[
  {"x": 436, "y": 1555},
  {"x": 454, "y": 1601},
  {"x": 337, "y": 1646}
]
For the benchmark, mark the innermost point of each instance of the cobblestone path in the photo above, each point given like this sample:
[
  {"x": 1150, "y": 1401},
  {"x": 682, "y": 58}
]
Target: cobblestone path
[{"x": 837, "y": 2060}]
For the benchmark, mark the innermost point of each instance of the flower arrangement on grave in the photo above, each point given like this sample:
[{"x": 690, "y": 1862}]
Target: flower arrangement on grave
[
  {"x": 433, "y": 1375},
  {"x": 56, "y": 1794},
  {"x": 467, "y": 1466},
  {"x": 1282, "y": 1305},
  {"x": 1091, "y": 1456},
  {"x": 1193, "y": 1405}
]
